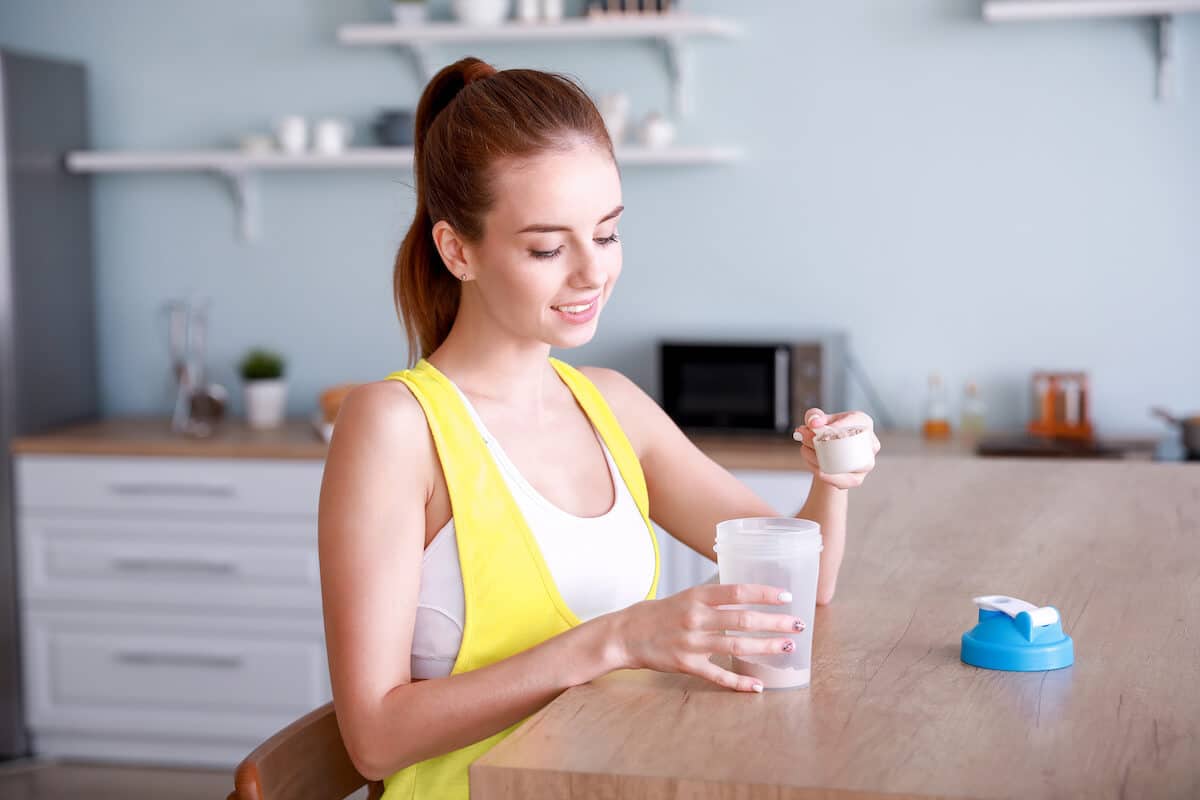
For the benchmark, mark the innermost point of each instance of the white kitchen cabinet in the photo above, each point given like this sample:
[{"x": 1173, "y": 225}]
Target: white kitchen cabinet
[
  {"x": 784, "y": 490},
  {"x": 171, "y": 607}
]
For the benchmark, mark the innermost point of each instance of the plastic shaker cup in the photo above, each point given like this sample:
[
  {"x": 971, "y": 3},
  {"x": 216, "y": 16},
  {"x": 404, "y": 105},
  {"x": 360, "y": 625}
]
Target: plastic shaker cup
[{"x": 774, "y": 551}]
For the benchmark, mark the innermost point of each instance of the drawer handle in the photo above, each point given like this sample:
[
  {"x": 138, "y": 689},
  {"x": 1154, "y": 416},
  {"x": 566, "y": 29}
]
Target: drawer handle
[
  {"x": 145, "y": 658},
  {"x": 174, "y": 565},
  {"x": 171, "y": 489}
]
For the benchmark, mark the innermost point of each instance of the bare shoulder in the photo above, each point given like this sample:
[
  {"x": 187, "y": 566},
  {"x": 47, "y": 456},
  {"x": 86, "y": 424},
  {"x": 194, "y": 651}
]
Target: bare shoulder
[
  {"x": 377, "y": 422},
  {"x": 636, "y": 411}
]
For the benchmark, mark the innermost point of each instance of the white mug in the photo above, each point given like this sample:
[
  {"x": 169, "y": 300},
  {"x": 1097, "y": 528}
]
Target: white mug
[
  {"x": 331, "y": 135},
  {"x": 292, "y": 133}
]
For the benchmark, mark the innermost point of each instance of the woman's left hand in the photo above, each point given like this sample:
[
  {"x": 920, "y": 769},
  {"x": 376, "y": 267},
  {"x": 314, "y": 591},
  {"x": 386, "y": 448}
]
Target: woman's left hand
[{"x": 816, "y": 418}]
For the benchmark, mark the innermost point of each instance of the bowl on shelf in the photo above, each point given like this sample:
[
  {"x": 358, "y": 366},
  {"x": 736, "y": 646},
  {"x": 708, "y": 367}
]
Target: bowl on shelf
[
  {"x": 481, "y": 12},
  {"x": 394, "y": 127}
]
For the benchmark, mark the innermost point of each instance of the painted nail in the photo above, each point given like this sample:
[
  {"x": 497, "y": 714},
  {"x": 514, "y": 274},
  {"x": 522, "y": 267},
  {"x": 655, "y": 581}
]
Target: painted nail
[
  {"x": 785, "y": 597},
  {"x": 799, "y": 437},
  {"x": 798, "y": 625},
  {"x": 758, "y": 687},
  {"x": 789, "y": 646}
]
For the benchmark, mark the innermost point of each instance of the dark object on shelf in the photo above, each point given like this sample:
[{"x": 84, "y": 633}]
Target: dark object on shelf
[
  {"x": 394, "y": 127},
  {"x": 1022, "y": 444}
]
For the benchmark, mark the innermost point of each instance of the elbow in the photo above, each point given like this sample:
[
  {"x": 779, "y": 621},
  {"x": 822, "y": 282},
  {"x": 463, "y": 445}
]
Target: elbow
[
  {"x": 369, "y": 761},
  {"x": 366, "y": 763}
]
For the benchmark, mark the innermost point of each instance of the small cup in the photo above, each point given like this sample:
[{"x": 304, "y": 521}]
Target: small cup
[
  {"x": 840, "y": 450},
  {"x": 331, "y": 135},
  {"x": 292, "y": 133}
]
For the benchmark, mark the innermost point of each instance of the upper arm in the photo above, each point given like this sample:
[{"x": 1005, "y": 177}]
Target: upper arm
[
  {"x": 371, "y": 537},
  {"x": 689, "y": 492}
]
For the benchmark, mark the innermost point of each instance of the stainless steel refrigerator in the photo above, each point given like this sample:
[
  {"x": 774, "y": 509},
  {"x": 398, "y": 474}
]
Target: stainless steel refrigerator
[{"x": 47, "y": 328}]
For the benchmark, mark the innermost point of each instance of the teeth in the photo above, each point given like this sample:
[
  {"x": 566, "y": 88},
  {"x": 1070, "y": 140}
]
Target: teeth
[{"x": 574, "y": 309}]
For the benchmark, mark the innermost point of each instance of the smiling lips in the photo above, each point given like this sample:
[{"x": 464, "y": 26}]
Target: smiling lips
[{"x": 575, "y": 306}]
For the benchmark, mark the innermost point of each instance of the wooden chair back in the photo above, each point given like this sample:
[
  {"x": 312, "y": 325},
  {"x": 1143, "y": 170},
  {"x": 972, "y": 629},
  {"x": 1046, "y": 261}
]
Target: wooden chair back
[{"x": 307, "y": 760}]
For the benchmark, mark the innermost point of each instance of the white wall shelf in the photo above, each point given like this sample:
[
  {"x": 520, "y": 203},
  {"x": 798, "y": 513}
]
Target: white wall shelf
[
  {"x": 1162, "y": 11},
  {"x": 241, "y": 170},
  {"x": 669, "y": 30}
]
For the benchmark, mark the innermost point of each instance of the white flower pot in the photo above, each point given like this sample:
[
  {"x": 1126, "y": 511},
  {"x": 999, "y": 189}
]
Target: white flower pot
[
  {"x": 408, "y": 13},
  {"x": 481, "y": 12},
  {"x": 266, "y": 401}
]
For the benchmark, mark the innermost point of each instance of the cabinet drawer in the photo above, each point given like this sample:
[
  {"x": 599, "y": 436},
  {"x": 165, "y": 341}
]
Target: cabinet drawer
[
  {"x": 204, "y": 485},
  {"x": 133, "y": 676},
  {"x": 261, "y": 565}
]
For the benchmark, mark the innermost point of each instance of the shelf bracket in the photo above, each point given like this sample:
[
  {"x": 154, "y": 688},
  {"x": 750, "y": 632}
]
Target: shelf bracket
[
  {"x": 675, "y": 52},
  {"x": 1166, "y": 53},
  {"x": 244, "y": 186}
]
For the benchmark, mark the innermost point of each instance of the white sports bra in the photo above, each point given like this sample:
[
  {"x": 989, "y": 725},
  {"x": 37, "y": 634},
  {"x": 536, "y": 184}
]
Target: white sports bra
[{"x": 600, "y": 564}]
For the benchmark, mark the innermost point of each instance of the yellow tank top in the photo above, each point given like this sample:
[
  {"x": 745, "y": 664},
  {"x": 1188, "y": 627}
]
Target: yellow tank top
[{"x": 510, "y": 597}]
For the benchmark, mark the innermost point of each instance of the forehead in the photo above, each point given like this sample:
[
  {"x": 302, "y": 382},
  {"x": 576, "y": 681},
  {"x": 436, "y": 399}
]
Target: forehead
[{"x": 573, "y": 187}]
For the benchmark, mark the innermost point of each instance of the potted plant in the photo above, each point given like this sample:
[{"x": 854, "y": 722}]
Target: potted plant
[
  {"x": 408, "y": 12},
  {"x": 264, "y": 390}
]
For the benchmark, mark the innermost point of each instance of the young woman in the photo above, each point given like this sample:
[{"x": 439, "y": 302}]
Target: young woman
[{"x": 485, "y": 534}]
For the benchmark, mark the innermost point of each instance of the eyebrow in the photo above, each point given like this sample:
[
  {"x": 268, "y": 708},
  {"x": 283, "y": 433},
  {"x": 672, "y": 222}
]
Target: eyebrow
[{"x": 554, "y": 228}]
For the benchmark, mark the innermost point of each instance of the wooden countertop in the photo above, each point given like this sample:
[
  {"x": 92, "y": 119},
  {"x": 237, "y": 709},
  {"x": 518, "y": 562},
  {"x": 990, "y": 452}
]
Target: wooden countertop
[
  {"x": 152, "y": 436},
  {"x": 297, "y": 439},
  {"x": 892, "y": 711}
]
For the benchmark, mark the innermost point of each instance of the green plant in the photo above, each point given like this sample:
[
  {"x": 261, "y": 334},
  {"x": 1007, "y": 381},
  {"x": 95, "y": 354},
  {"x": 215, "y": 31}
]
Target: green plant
[{"x": 261, "y": 365}]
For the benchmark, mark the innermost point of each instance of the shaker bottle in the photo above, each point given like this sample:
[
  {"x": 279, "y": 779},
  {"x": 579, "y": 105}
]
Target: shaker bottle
[{"x": 774, "y": 551}]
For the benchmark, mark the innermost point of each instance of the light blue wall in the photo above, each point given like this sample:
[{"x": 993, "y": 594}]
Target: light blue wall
[{"x": 979, "y": 199}]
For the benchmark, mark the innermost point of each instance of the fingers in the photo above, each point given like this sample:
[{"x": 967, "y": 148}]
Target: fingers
[
  {"x": 730, "y": 680},
  {"x": 748, "y": 645},
  {"x": 720, "y": 594},
  {"x": 752, "y": 621}
]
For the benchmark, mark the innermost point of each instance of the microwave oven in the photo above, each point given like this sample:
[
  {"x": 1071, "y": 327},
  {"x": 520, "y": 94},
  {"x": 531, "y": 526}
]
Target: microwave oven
[{"x": 750, "y": 386}]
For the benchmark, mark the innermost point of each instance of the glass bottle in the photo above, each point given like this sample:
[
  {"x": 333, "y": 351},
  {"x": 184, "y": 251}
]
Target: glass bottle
[
  {"x": 972, "y": 410},
  {"x": 937, "y": 414}
]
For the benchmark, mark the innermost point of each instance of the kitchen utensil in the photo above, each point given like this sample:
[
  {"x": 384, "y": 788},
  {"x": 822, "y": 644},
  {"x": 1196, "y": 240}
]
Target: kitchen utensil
[
  {"x": 1061, "y": 405},
  {"x": 395, "y": 127},
  {"x": 614, "y": 110},
  {"x": 1189, "y": 426},
  {"x": 528, "y": 10},
  {"x": 843, "y": 449},
  {"x": 1018, "y": 636},
  {"x": 331, "y": 135},
  {"x": 292, "y": 133},
  {"x": 775, "y": 551},
  {"x": 657, "y": 131},
  {"x": 409, "y": 13},
  {"x": 480, "y": 12},
  {"x": 198, "y": 406}
]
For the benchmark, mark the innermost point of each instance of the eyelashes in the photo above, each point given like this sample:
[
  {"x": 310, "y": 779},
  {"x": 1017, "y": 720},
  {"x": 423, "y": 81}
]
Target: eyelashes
[{"x": 548, "y": 254}]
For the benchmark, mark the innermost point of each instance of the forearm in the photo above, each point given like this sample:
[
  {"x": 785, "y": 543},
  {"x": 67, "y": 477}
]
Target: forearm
[
  {"x": 827, "y": 506},
  {"x": 420, "y": 720}
]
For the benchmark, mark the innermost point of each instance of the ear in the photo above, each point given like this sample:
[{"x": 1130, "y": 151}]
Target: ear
[{"x": 451, "y": 248}]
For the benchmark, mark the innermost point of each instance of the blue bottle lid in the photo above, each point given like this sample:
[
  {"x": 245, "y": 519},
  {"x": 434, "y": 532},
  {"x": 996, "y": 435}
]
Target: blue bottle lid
[{"x": 1018, "y": 636}]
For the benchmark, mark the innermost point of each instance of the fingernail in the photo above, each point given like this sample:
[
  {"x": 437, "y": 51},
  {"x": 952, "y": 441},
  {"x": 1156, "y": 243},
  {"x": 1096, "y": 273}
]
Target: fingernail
[
  {"x": 789, "y": 646},
  {"x": 785, "y": 597},
  {"x": 799, "y": 437},
  {"x": 798, "y": 625},
  {"x": 758, "y": 687}
]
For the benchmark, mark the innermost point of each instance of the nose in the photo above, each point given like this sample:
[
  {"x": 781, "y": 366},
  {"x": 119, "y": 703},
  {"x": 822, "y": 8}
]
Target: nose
[{"x": 590, "y": 270}]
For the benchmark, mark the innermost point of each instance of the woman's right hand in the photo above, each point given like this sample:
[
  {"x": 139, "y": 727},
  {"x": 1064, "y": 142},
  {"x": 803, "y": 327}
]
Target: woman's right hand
[{"x": 679, "y": 633}]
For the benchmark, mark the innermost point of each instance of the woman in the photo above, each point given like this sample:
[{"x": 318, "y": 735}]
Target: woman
[{"x": 459, "y": 598}]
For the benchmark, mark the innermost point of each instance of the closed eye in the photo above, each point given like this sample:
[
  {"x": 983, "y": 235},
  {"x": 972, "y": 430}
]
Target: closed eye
[{"x": 603, "y": 242}]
